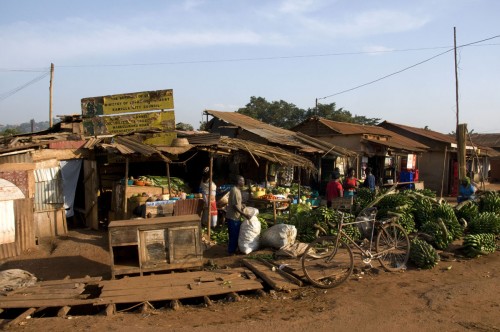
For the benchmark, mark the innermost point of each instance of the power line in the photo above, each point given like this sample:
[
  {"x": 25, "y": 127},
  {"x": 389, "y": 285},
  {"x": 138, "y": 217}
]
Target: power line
[
  {"x": 7, "y": 94},
  {"x": 404, "y": 69},
  {"x": 235, "y": 59}
]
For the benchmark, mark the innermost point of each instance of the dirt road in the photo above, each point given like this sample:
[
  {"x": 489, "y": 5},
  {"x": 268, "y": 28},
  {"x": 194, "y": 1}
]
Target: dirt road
[{"x": 457, "y": 295}]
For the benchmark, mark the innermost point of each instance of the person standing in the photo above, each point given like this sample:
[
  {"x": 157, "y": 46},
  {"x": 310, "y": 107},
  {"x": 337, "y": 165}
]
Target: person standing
[
  {"x": 350, "y": 183},
  {"x": 234, "y": 212},
  {"x": 333, "y": 189},
  {"x": 209, "y": 190},
  {"x": 369, "y": 180}
]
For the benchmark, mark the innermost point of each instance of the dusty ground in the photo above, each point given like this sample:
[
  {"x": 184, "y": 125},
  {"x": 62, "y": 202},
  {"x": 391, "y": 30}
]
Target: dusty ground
[{"x": 457, "y": 295}]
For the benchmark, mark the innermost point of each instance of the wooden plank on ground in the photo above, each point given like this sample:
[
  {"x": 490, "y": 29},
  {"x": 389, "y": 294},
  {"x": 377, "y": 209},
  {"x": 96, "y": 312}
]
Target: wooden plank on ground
[
  {"x": 178, "y": 292},
  {"x": 48, "y": 302},
  {"x": 273, "y": 278},
  {"x": 19, "y": 318},
  {"x": 173, "y": 279}
]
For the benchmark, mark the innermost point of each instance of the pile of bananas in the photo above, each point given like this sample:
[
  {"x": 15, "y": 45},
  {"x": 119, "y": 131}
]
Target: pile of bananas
[
  {"x": 490, "y": 202},
  {"x": 479, "y": 244},
  {"x": 486, "y": 222},
  {"x": 437, "y": 230},
  {"x": 468, "y": 210},
  {"x": 422, "y": 254},
  {"x": 447, "y": 214}
]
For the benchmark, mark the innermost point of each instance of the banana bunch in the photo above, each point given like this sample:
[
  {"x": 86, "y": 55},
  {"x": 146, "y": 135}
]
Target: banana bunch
[
  {"x": 479, "y": 244},
  {"x": 437, "y": 230},
  {"x": 422, "y": 254},
  {"x": 490, "y": 202},
  {"x": 486, "y": 222},
  {"x": 423, "y": 208},
  {"x": 447, "y": 214},
  {"x": 468, "y": 210}
]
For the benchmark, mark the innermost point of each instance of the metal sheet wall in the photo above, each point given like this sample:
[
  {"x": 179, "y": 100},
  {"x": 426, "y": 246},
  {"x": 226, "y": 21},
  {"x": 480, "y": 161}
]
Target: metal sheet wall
[
  {"x": 48, "y": 189},
  {"x": 25, "y": 232},
  {"x": 16, "y": 158}
]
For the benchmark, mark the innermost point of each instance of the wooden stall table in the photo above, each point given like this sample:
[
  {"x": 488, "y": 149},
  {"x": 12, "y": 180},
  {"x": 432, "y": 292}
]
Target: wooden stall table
[
  {"x": 275, "y": 203},
  {"x": 417, "y": 184}
]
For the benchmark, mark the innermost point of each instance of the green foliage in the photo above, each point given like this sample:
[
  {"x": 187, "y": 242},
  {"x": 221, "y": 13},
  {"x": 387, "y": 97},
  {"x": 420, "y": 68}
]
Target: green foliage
[
  {"x": 219, "y": 235},
  {"x": 287, "y": 115},
  {"x": 422, "y": 254},
  {"x": 184, "y": 126},
  {"x": 486, "y": 222}
]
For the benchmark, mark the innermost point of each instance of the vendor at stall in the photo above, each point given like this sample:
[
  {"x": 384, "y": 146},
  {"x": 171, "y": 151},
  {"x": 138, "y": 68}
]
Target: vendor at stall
[
  {"x": 234, "y": 212},
  {"x": 208, "y": 190}
]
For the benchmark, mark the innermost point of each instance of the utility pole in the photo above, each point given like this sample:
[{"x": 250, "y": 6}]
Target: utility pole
[
  {"x": 51, "y": 88},
  {"x": 461, "y": 129},
  {"x": 316, "y": 107}
]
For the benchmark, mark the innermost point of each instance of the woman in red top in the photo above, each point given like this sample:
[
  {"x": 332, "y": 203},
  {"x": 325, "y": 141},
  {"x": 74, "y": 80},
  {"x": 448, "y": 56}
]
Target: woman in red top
[
  {"x": 350, "y": 183},
  {"x": 333, "y": 189}
]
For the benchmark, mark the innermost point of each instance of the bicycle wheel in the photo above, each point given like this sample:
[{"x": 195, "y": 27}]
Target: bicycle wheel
[
  {"x": 326, "y": 265},
  {"x": 393, "y": 246}
]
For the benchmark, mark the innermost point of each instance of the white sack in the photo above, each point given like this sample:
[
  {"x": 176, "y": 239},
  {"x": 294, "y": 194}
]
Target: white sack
[{"x": 279, "y": 236}]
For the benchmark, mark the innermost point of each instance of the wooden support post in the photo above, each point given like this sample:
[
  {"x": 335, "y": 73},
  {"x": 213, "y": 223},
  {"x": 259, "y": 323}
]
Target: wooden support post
[
  {"x": 233, "y": 297},
  {"x": 209, "y": 198},
  {"x": 175, "y": 304},
  {"x": 207, "y": 300},
  {"x": 63, "y": 311},
  {"x": 461, "y": 143},
  {"x": 19, "y": 318},
  {"x": 168, "y": 180},
  {"x": 110, "y": 309},
  {"x": 125, "y": 187}
]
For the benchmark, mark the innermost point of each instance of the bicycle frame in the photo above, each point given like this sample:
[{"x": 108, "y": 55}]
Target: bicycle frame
[{"x": 364, "y": 252}]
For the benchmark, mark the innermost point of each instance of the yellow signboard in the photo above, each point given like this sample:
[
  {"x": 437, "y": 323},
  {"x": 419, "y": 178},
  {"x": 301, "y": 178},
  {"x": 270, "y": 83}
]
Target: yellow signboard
[
  {"x": 128, "y": 102},
  {"x": 124, "y": 124}
]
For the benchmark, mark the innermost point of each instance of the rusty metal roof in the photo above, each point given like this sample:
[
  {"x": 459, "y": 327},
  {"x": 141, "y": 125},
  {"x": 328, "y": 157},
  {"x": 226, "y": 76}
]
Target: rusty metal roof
[
  {"x": 271, "y": 153},
  {"x": 276, "y": 135},
  {"x": 269, "y": 132},
  {"x": 490, "y": 140},
  {"x": 373, "y": 134},
  {"x": 434, "y": 135},
  {"x": 347, "y": 128}
]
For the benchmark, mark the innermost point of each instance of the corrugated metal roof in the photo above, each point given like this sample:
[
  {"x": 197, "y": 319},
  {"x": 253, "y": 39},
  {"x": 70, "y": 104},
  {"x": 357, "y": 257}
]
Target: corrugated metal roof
[
  {"x": 271, "y": 153},
  {"x": 347, "y": 128},
  {"x": 271, "y": 133},
  {"x": 434, "y": 135},
  {"x": 372, "y": 134},
  {"x": 278, "y": 135},
  {"x": 490, "y": 140}
]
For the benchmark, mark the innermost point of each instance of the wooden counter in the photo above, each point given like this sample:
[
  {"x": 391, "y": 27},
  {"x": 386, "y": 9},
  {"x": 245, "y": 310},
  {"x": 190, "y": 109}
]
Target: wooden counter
[{"x": 146, "y": 245}]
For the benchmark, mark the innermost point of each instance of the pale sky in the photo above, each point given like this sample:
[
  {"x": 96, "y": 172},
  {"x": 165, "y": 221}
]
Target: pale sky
[{"x": 217, "y": 54}]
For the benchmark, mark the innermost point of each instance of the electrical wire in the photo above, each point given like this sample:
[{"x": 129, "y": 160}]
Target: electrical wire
[
  {"x": 7, "y": 94},
  {"x": 407, "y": 68}
]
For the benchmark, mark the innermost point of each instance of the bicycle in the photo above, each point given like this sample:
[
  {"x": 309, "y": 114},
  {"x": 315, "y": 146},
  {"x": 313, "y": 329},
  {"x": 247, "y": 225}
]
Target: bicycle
[{"x": 328, "y": 261}]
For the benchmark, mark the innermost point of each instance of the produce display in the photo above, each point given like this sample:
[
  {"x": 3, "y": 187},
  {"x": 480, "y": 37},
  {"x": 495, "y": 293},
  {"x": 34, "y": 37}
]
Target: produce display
[
  {"x": 479, "y": 244},
  {"x": 486, "y": 222},
  {"x": 422, "y": 254}
]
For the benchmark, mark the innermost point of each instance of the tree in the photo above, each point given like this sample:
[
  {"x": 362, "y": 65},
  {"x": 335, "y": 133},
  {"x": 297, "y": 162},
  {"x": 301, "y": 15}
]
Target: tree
[
  {"x": 287, "y": 115},
  {"x": 183, "y": 126},
  {"x": 277, "y": 113},
  {"x": 330, "y": 112},
  {"x": 10, "y": 132}
]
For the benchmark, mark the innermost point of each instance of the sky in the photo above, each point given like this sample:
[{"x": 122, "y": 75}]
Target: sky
[{"x": 387, "y": 59}]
